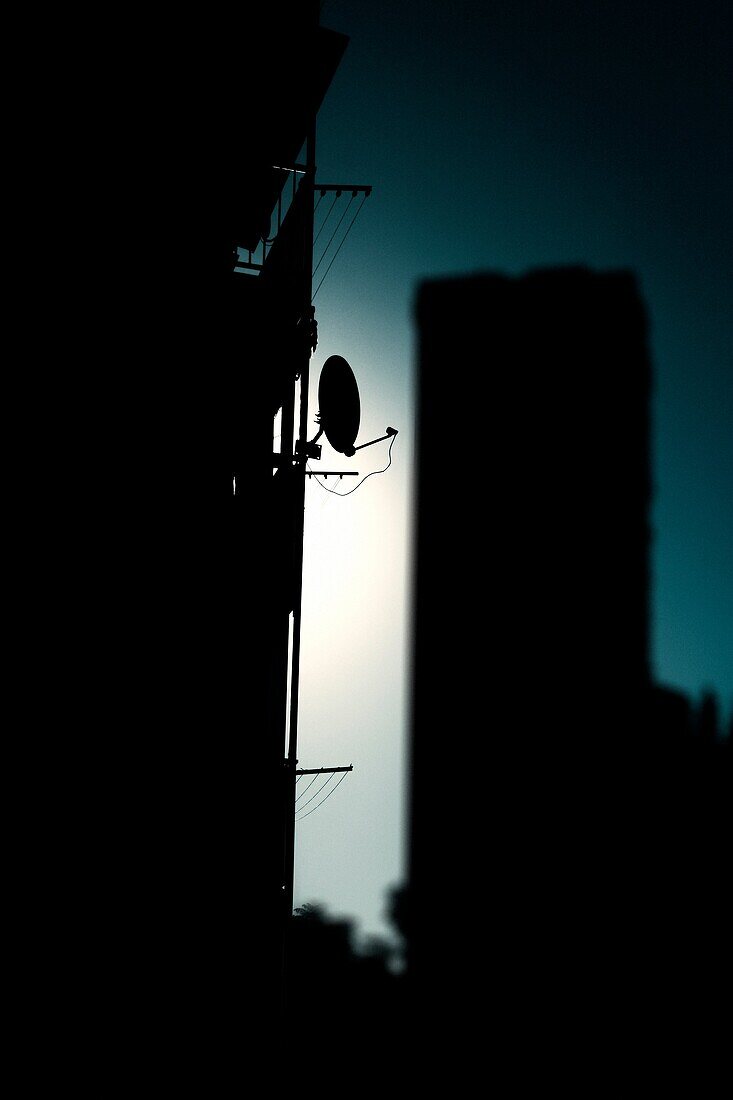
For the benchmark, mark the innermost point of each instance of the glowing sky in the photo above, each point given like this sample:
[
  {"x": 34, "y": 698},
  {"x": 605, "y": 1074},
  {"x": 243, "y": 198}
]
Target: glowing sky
[{"x": 504, "y": 137}]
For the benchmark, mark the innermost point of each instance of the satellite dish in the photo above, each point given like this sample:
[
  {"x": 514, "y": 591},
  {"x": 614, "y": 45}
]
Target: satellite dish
[{"x": 339, "y": 404}]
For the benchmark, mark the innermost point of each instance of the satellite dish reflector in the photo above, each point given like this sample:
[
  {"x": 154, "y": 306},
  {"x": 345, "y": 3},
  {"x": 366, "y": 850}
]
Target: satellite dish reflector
[{"x": 339, "y": 404}]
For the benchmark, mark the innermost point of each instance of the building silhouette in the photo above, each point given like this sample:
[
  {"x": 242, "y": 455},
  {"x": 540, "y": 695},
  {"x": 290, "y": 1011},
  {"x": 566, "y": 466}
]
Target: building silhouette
[
  {"x": 158, "y": 838},
  {"x": 562, "y": 846}
]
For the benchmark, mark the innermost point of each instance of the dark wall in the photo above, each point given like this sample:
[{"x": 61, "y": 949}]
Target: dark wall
[{"x": 150, "y": 837}]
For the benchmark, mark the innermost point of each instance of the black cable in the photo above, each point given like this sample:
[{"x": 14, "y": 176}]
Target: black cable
[
  {"x": 356, "y": 215},
  {"x": 326, "y": 798},
  {"x": 366, "y": 476},
  {"x": 315, "y": 269},
  {"x": 318, "y": 791},
  {"x": 328, "y": 215},
  {"x": 307, "y": 786}
]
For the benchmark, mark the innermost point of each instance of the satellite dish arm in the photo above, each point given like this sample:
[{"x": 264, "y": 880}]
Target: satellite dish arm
[{"x": 390, "y": 431}]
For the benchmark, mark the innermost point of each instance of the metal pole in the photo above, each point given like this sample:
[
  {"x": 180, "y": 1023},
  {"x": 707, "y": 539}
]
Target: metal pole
[{"x": 299, "y": 506}]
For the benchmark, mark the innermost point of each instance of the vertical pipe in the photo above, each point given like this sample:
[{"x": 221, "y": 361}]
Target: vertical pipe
[{"x": 299, "y": 506}]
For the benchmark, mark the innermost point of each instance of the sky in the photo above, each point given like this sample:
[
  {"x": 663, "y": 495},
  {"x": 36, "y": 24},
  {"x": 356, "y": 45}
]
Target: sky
[{"x": 504, "y": 137}]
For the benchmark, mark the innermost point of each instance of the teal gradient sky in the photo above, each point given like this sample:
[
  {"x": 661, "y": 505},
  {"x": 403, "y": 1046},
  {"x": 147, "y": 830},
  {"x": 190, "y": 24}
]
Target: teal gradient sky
[{"x": 505, "y": 137}]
